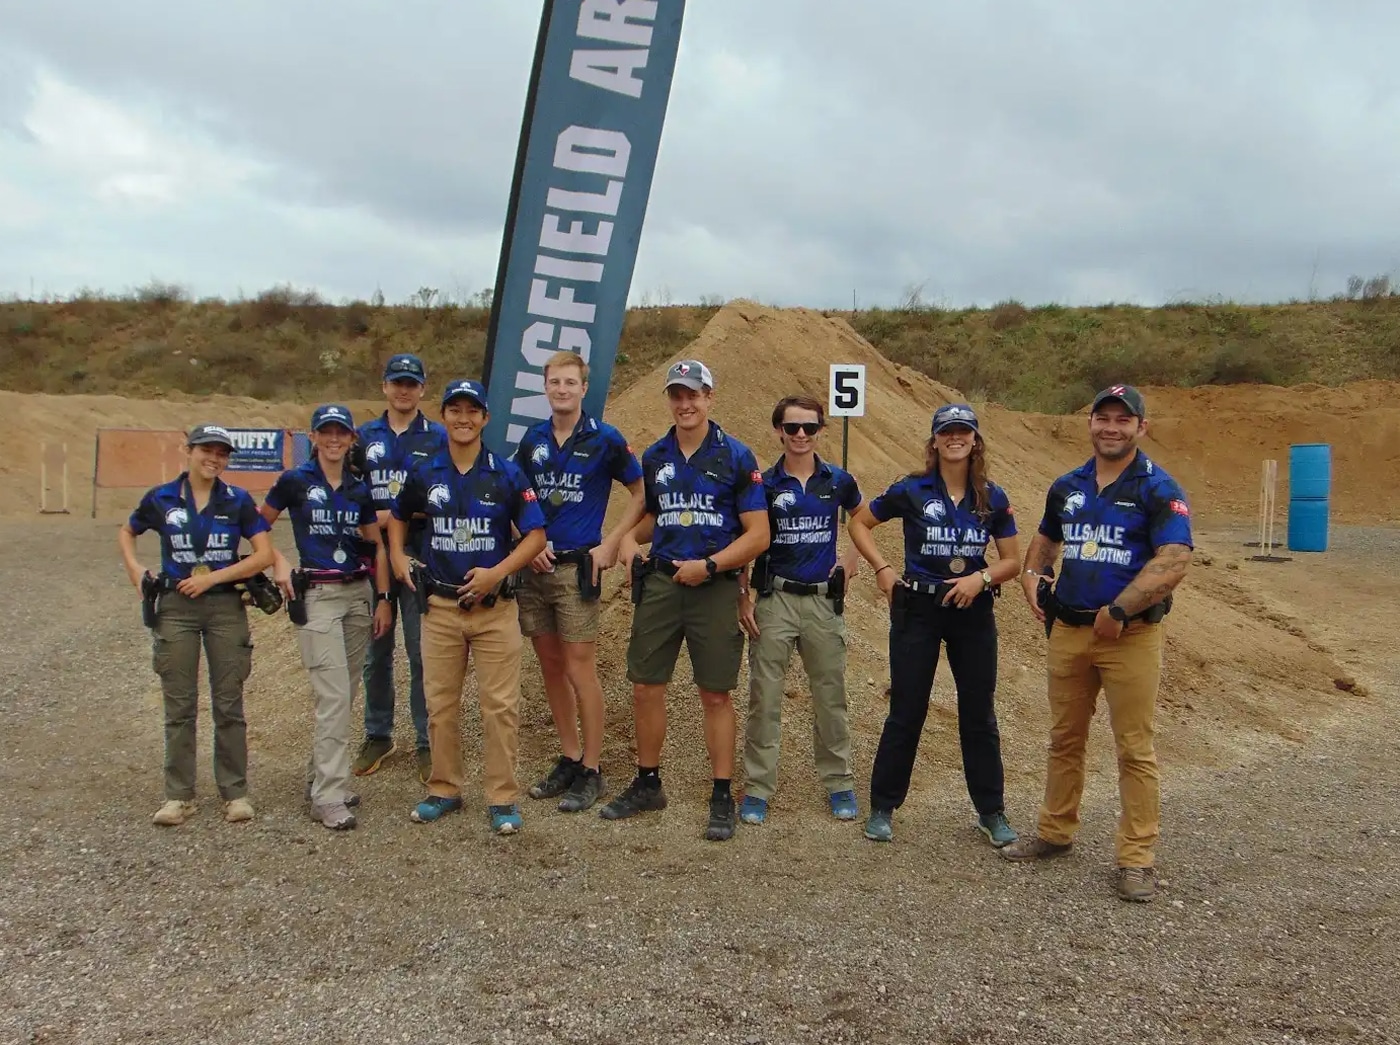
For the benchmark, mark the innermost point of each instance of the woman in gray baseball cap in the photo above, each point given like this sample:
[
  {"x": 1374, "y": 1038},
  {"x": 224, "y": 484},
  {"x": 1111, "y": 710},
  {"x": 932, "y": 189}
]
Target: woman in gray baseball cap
[{"x": 194, "y": 601}]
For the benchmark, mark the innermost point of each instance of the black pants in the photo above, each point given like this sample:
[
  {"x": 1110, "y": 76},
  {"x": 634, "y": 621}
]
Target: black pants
[{"x": 917, "y": 625}]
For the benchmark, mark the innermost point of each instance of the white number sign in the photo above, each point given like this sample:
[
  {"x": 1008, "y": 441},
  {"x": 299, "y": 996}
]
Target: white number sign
[{"x": 847, "y": 398}]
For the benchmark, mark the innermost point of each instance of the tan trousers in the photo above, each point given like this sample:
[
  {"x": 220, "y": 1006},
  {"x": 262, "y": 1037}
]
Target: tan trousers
[
  {"x": 491, "y": 637},
  {"x": 809, "y": 623},
  {"x": 1128, "y": 671},
  {"x": 333, "y": 642}
]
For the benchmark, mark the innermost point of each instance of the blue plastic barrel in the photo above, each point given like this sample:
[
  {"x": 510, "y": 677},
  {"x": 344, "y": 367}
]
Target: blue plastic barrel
[
  {"x": 1309, "y": 471},
  {"x": 1307, "y": 525}
]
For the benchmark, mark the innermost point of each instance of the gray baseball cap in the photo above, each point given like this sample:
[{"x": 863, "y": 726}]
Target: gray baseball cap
[
  {"x": 691, "y": 373},
  {"x": 208, "y": 435}
]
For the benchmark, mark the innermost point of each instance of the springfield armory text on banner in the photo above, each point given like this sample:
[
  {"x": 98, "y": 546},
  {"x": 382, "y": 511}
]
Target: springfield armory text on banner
[{"x": 588, "y": 150}]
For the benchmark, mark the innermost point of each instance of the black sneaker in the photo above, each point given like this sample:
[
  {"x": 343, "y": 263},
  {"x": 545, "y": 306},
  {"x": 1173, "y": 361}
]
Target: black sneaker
[
  {"x": 558, "y": 780},
  {"x": 640, "y": 796},
  {"x": 721, "y": 826},
  {"x": 583, "y": 792}
]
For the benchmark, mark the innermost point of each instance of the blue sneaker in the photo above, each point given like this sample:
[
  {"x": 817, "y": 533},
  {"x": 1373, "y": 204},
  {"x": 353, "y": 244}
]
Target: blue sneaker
[
  {"x": 434, "y": 807},
  {"x": 505, "y": 820},
  {"x": 997, "y": 830},
  {"x": 843, "y": 805},
  {"x": 753, "y": 810},
  {"x": 878, "y": 828}
]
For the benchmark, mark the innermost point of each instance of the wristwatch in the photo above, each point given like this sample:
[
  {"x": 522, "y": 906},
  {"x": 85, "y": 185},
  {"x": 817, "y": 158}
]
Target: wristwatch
[
  {"x": 986, "y": 579},
  {"x": 381, "y": 596},
  {"x": 1118, "y": 613},
  {"x": 710, "y": 566}
]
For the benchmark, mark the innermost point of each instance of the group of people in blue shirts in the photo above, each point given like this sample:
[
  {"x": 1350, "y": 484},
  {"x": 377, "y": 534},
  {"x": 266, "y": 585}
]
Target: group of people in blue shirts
[{"x": 413, "y": 521}]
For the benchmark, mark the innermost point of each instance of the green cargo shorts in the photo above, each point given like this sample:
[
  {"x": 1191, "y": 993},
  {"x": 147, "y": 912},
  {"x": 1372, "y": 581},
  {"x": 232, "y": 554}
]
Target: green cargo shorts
[{"x": 707, "y": 617}]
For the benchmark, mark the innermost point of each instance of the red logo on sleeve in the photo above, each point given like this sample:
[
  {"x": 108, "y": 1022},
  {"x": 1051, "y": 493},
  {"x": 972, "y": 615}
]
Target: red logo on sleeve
[
  {"x": 528, "y": 495},
  {"x": 755, "y": 476},
  {"x": 1180, "y": 507}
]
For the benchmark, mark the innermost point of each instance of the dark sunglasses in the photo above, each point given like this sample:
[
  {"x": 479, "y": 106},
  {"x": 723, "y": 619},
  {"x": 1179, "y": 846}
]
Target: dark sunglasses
[{"x": 810, "y": 427}]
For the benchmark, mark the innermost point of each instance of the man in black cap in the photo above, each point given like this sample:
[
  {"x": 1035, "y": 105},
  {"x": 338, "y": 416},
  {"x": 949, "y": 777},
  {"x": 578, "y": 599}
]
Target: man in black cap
[{"x": 1122, "y": 526}]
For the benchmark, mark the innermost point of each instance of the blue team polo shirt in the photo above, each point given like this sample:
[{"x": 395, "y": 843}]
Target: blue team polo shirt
[
  {"x": 1109, "y": 536},
  {"x": 697, "y": 502},
  {"x": 326, "y": 521},
  {"x": 942, "y": 540},
  {"x": 573, "y": 481},
  {"x": 804, "y": 521},
  {"x": 391, "y": 457},
  {"x": 187, "y": 536},
  {"x": 469, "y": 514}
]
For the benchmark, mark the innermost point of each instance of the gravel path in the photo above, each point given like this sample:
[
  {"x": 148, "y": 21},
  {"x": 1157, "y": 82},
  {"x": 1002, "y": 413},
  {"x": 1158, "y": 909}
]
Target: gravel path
[{"x": 1279, "y": 923}]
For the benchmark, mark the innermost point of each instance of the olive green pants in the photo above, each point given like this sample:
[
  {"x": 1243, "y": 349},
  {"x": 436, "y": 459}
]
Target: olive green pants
[{"x": 219, "y": 622}]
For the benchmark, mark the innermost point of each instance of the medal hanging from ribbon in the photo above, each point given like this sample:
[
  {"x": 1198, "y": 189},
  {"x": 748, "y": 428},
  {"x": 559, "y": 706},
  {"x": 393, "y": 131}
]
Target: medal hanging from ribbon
[{"x": 199, "y": 527}]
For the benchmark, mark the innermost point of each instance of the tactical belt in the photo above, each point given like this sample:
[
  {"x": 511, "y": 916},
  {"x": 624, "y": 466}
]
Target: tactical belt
[
  {"x": 670, "y": 569},
  {"x": 574, "y": 557},
  {"x": 315, "y": 577},
  {"x": 433, "y": 586},
  {"x": 799, "y": 588},
  {"x": 165, "y": 583},
  {"x": 1075, "y": 618},
  {"x": 938, "y": 589}
]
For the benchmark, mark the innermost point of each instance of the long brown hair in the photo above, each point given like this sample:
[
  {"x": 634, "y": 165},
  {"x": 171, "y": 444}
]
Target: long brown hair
[{"x": 976, "y": 473}]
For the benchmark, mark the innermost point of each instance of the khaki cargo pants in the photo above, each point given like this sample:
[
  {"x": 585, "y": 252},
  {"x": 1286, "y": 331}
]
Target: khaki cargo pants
[
  {"x": 333, "y": 642},
  {"x": 809, "y": 623},
  {"x": 218, "y": 620},
  {"x": 1128, "y": 671},
  {"x": 491, "y": 637}
]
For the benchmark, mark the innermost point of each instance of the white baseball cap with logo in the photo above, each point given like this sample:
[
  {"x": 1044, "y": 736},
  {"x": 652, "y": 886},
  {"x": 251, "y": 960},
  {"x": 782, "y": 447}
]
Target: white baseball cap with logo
[{"x": 691, "y": 373}]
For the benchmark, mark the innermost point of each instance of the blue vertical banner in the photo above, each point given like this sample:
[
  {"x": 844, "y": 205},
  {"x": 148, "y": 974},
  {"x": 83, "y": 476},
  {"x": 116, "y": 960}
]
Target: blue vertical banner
[{"x": 588, "y": 147}]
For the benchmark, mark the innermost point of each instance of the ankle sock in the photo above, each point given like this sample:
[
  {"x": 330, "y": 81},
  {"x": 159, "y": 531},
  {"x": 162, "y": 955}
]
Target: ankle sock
[{"x": 721, "y": 789}]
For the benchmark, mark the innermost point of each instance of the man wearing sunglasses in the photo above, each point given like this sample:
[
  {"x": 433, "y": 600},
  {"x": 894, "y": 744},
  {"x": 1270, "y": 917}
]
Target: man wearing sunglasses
[
  {"x": 394, "y": 443},
  {"x": 794, "y": 602}
]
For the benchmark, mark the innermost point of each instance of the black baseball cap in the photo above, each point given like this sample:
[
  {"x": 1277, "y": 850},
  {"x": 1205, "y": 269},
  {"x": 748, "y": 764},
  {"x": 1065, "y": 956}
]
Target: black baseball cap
[
  {"x": 209, "y": 435},
  {"x": 1129, "y": 396},
  {"x": 466, "y": 389}
]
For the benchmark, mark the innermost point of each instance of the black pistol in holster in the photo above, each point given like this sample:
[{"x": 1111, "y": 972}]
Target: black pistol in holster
[
  {"x": 761, "y": 577},
  {"x": 836, "y": 590},
  {"x": 1045, "y": 599},
  {"x": 587, "y": 590},
  {"x": 263, "y": 591},
  {"x": 419, "y": 577},
  {"x": 150, "y": 594},
  {"x": 296, "y": 605},
  {"x": 639, "y": 576}
]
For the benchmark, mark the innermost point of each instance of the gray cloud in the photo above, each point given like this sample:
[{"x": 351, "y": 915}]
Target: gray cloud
[{"x": 1032, "y": 150}]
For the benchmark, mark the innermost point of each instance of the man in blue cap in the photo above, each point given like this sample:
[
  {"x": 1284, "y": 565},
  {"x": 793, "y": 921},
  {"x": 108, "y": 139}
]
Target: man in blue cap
[
  {"x": 471, "y": 499},
  {"x": 392, "y": 444},
  {"x": 1122, "y": 527}
]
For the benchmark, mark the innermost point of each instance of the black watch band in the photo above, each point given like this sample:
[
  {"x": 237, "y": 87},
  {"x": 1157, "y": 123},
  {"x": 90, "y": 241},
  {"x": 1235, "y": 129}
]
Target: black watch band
[
  {"x": 1118, "y": 613},
  {"x": 710, "y": 567},
  {"x": 381, "y": 596}
]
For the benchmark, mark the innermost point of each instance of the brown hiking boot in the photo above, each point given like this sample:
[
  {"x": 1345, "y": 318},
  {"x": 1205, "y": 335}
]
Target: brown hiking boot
[
  {"x": 1137, "y": 884},
  {"x": 1033, "y": 848}
]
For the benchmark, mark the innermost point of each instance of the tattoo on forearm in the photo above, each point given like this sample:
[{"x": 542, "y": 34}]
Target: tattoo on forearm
[
  {"x": 1041, "y": 554},
  {"x": 1157, "y": 579}
]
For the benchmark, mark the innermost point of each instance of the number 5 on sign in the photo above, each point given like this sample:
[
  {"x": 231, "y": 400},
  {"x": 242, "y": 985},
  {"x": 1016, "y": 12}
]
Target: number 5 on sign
[{"x": 847, "y": 398}]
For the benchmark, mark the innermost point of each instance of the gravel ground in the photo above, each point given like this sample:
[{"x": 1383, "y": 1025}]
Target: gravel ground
[{"x": 1278, "y": 924}]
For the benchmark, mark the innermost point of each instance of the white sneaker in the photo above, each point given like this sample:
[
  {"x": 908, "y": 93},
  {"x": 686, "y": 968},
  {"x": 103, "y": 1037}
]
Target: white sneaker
[
  {"x": 238, "y": 810},
  {"x": 173, "y": 813}
]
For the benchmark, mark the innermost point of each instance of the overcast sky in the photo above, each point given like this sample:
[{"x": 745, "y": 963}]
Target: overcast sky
[{"x": 1041, "y": 150}]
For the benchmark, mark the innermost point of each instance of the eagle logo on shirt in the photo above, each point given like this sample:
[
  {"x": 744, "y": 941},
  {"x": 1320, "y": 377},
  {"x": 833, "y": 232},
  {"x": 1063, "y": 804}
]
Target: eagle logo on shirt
[
  {"x": 1074, "y": 502},
  {"x": 439, "y": 495},
  {"x": 539, "y": 455},
  {"x": 316, "y": 494},
  {"x": 374, "y": 452},
  {"x": 934, "y": 509},
  {"x": 786, "y": 499},
  {"x": 665, "y": 474},
  {"x": 177, "y": 517}
]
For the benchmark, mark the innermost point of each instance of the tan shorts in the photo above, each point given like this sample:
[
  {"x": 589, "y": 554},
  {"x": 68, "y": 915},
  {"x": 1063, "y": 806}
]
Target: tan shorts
[{"x": 551, "y": 605}]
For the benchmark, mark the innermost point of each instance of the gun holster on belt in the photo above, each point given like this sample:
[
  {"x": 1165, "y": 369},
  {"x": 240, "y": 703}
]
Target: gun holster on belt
[
  {"x": 419, "y": 577},
  {"x": 836, "y": 590},
  {"x": 587, "y": 590},
  {"x": 150, "y": 594},
  {"x": 296, "y": 605},
  {"x": 639, "y": 575},
  {"x": 761, "y": 577},
  {"x": 899, "y": 606},
  {"x": 262, "y": 590},
  {"x": 1156, "y": 614},
  {"x": 1045, "y": 599}
]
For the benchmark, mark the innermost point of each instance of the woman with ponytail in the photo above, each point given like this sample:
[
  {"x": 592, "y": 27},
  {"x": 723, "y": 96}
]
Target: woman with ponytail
[{"x": 951, "y": 512}]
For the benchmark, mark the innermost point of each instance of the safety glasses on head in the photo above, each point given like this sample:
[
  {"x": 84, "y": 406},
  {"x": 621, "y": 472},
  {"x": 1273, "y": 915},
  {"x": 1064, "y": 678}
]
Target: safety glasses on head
[{"x": 808, "y": 427}]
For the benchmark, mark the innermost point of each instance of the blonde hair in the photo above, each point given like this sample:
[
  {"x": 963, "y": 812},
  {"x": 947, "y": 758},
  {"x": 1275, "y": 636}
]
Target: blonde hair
[{"x": 567, "y": 359}]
